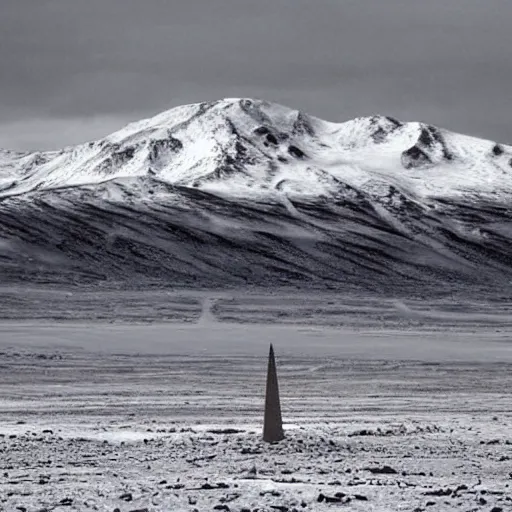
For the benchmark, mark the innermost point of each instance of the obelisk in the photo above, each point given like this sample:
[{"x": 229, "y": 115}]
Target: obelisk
[{"x": 273, "y": 423}]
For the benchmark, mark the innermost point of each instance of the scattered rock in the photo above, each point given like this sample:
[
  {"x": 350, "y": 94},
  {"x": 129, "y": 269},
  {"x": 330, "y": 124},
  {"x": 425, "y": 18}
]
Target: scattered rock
[
  {"x": 497, "y": 150},
  {"x": 384, "y": 470},
  {"x": 291, "y": 480},
  {"x": 328, "y": 499},
  {"x": 271, "y": 139},
  {"x": 225, "y": 431},
  {"x": 127, "y": 496},
  {"x": 439, "y": 492},
  {"x": 296, "y": 152},
  {"x": 262, "y": 130},
  {"x": 175, "y": 487},
  {"x": 272, "y": 493},
  {"x": 207, "y": 486},
  {"x": 250, "y": 451}
]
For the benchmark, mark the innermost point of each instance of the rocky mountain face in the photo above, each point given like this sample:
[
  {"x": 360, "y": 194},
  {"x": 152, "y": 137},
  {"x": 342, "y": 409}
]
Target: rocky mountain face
[{"x": 244, "y": 192}]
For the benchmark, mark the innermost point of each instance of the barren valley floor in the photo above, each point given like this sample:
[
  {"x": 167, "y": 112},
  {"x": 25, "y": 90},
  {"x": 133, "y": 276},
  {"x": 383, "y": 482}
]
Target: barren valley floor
[{"x": 154, "y": 401}]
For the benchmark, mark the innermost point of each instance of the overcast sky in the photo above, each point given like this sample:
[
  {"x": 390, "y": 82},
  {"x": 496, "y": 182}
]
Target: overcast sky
[{"x": 75, "y": 70}]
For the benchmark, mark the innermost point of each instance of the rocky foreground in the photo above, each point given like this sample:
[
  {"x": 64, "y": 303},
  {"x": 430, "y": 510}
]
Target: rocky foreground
[
  {"x": 413, "y": 465},
  {"x": 168, "y": 417}
]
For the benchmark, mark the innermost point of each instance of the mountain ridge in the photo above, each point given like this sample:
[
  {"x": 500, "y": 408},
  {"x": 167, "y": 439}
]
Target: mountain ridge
[
  {"x": 228, "y": 133},
  {"x": 242, "y": 191}
]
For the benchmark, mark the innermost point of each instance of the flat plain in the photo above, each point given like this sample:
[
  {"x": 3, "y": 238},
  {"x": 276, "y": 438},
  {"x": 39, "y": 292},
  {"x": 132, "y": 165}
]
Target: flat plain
[{"x": 153, "y": 400}]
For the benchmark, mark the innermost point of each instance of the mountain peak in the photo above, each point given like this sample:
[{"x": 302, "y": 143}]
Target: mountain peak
[{"x": 253, "y": 148}]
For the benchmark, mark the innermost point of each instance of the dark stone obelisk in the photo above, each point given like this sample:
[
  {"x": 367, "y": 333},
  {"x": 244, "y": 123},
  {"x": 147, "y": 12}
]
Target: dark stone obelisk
[{"x": 273, "y": 423}]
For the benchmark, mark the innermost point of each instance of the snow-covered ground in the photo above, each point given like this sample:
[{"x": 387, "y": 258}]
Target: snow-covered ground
[{"x": 379, "y": 416}]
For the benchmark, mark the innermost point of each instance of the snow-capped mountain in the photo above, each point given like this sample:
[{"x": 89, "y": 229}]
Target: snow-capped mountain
[
  {"x": 244, "y": 191},
  {"x": 252, "y": 149}
]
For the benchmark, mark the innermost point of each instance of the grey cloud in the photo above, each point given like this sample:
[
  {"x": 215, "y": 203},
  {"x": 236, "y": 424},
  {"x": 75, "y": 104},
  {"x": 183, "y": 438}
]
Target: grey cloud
[{"x": 445, "y": 62}]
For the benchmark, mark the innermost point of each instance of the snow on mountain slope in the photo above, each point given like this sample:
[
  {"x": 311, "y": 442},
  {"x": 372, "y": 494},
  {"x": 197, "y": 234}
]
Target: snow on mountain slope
[
  {"x": 246, "y": 147},
  {"x": 245, "y": 191}
]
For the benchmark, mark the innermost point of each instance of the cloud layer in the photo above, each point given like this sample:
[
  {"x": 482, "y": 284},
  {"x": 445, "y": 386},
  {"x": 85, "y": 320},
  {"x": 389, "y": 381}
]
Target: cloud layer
[{"x": 72, "y": 71}]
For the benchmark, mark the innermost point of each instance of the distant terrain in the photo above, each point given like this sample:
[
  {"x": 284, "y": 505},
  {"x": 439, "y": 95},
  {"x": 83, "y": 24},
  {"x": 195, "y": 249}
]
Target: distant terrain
[{"x": 243, "y": 192}]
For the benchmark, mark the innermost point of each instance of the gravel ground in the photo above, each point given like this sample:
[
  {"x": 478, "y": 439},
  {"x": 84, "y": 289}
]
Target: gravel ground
[{"x": 130, "y": 416}]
